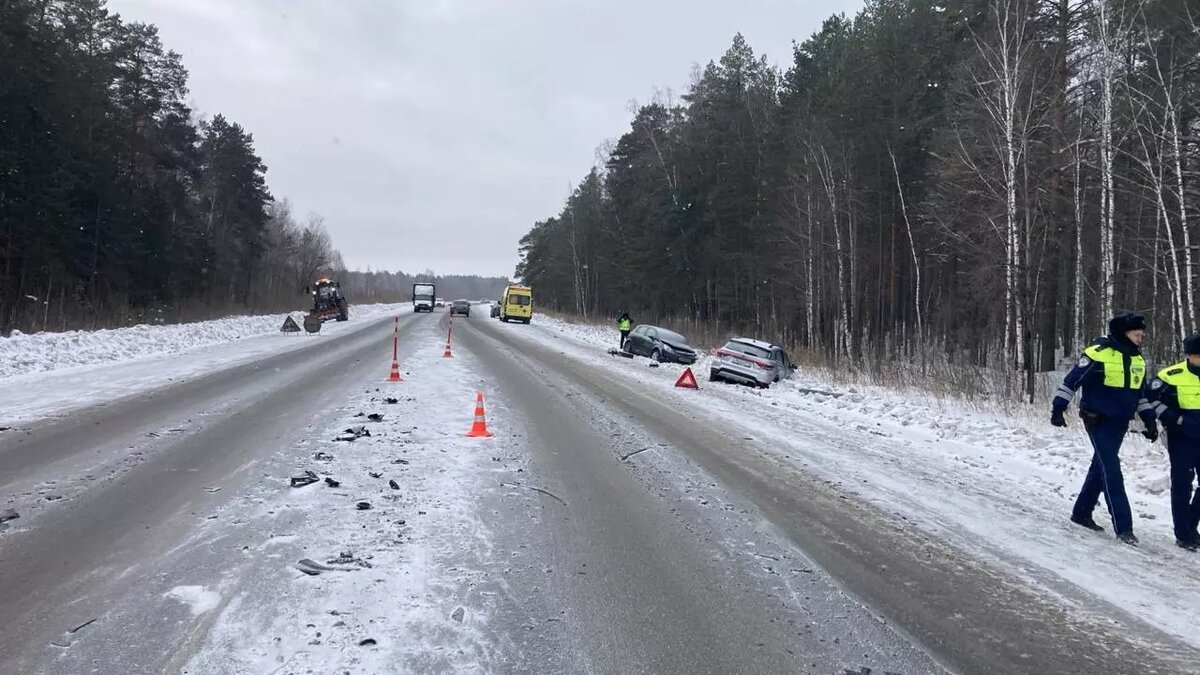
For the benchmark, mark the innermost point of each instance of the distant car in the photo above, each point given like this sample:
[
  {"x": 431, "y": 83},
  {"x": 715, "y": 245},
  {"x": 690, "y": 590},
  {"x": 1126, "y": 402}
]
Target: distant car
[
  {"x": 462, "y": 307},
  {"x": 660, "y": 344},
  {"x": 752, "y": 362},
  {"x": 439, "y": 303},
  {"x": 495, "y": 310}
]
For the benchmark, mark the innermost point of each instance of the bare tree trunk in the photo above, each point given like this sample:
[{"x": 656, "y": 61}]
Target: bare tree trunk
[
  {"x": 912, "y": 245},
  {"x": 810, "y": 286},
  {"x": 1077, "y": 324},
  {"x": 1106, "y": 57}
]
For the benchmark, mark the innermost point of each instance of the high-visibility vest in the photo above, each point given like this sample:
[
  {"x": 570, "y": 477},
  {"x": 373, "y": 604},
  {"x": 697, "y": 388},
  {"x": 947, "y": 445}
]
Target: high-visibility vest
[
  {"x": 1113, "y": 362},
  {"x": 1186, "y": 383},
  {"x": 623, "y": 324}
]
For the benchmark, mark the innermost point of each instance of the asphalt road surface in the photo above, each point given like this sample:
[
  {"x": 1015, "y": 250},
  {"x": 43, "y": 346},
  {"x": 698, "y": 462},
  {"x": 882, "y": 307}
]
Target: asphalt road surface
[
  {"x": 904, "y": 601},
  {"x": 670, "y": 545},
  {"x": 130, "y": 479}
]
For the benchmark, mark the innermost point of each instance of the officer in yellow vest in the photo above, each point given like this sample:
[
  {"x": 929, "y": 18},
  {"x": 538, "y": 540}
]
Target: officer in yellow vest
[
  {"x": 624, "y": 323},
  {"x": 1111, "y": 374},
  {"x": 1176, "y": 397}
]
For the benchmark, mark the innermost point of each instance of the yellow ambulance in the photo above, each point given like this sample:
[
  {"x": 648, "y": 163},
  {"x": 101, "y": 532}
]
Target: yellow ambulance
[{"x": 516, "y": 304}]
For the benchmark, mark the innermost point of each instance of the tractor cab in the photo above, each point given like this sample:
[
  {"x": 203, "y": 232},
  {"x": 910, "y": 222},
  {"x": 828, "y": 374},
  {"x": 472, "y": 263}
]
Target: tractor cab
[
  {"x": 328, "y": 303},
  {"x": 326, "y": 293}
]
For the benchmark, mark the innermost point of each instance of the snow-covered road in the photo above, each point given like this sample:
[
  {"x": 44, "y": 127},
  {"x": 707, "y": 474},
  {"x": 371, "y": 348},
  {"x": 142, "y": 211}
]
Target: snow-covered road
[
  {"x": 996, "y": 484},
  {"x": 613, "y": 524}
]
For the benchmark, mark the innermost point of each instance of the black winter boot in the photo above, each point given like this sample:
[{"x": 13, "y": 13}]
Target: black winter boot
[
  {"x": 1127, "y": 538},
  {"x": 1088, "y": 522}
]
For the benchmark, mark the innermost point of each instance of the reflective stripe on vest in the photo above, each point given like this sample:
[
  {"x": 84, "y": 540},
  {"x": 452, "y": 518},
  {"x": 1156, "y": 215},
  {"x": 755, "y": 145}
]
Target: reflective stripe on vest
[
  {"x": 623, "y": 324},
  {"x": 1186, "y": 383},
  {"x": 1113, "y": 362}
]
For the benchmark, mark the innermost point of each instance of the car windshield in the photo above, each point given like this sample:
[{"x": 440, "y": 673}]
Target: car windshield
[
  {"x": 672, "y": 337},
  {"x": 747, "y": 349}
]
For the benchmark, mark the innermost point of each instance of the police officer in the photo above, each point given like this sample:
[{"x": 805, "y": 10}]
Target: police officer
[
  {"x": 1111, "y": 374},
  {"x": 1175, "y": 394},
  {"x": 623, "y": 324}
]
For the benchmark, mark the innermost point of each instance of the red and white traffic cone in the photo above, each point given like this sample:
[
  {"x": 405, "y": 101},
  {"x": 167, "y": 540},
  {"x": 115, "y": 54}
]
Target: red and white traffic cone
[{"x": 479, "y": 428}]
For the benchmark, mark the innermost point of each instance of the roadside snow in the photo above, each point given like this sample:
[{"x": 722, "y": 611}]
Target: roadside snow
[
  {"x": 22, "y": 353},
  {"x": 198, "y": 599},
  {"x": 67, "y": 371},
  {"x": 404, "y": 587},
  {"x": 996, "y": 484}
]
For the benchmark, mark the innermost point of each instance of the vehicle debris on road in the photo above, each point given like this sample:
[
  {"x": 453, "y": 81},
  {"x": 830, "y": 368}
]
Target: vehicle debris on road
[
  {"x": 308, "y": 478},
  {"x": 331, "y": 482}
]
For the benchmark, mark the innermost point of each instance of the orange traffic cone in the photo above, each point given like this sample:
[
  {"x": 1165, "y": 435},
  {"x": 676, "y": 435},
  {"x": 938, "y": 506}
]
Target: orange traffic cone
[
  {"x": 394, "y": 376},
  {"x": 447, "y": 354},
  {"x": 479, "y": 428}
]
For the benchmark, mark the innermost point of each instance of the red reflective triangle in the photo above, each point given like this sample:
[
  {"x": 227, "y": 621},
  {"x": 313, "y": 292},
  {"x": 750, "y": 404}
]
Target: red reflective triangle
[{"x": 687, "y": 380}]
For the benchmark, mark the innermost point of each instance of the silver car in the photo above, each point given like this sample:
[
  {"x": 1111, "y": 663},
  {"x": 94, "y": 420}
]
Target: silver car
[{"x": 752, "y": 362}]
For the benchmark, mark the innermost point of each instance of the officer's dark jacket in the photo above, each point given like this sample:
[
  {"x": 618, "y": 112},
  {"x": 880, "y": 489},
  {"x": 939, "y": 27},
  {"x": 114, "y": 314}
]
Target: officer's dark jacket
[{"x": 1112, "y": 375}]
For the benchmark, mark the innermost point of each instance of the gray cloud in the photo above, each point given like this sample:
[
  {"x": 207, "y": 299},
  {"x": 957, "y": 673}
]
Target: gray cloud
[{"x": 433, "y": 133}]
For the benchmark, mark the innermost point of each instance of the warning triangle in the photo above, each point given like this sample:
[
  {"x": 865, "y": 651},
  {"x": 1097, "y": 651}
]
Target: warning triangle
[
  {"x": 290, "y": 325},
  {"x": 687, "y": 380}
]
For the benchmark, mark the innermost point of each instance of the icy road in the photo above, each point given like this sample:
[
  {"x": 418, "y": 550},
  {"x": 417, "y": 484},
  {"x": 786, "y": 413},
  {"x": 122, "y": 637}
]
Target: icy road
[{"x": 610, "y": 525}]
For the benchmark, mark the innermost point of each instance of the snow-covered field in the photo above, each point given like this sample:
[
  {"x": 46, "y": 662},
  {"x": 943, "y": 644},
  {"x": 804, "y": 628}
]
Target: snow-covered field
[
  {"x": 997, "y": 484},
  {"x": 52, "y": 373},
  {"x": 399, "y": 591}
]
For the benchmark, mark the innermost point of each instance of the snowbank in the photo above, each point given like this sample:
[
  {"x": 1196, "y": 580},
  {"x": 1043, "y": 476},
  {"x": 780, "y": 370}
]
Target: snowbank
[
  {"x": 995, "y": 483},
  {"x": 22, "y": 353}
]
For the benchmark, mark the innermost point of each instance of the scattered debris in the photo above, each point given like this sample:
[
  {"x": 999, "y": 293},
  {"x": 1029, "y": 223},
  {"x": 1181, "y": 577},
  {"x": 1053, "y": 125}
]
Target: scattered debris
[
  {"x": 81, "y": 626},
  {"x": 53, "y": 498},
  {"x": 399, "y": 461},
  {"x": 375, "y": 417},
  {"x": 537, "y": 489},
  {"x": 212, "y": 490},
  {"x": 367, "y": 642},
  {"x": 5, "y": 428},
  {"x": 363, "y": 506},
  {"x": 331, "y": 482},
  {"x": 361, "y": 414},
  {"x": 353, "y": 434},
  {"x": 313, "y": 568},
  {"x": 307, "y": 479},
  {"x": 323, "y": 457},
  {"x": 374, "y": 474},
  {"x": 347, "y": 558},
  {"x": 9, "y": 514},
  {"x": 393, "y": 484},
  {"x": 389, "y": 401},
  {"x": 631, "y": 454},
  {"x": 653, "y": 364},
  {"x": 459, "y": 614}
]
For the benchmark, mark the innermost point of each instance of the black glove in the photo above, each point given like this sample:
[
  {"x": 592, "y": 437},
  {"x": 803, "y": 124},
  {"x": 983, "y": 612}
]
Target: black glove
[
  {"x": 1056, "y": 418},
  {"x": 1151, "y": 432}
]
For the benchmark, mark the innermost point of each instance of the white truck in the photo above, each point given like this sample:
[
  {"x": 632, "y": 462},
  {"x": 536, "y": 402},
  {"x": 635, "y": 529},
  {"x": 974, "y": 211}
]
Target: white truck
[{"x": 423, "y": 297}]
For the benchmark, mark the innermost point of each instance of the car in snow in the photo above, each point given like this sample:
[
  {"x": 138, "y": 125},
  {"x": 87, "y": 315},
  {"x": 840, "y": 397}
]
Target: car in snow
[
  {"x": 752, "y": 362},
  {"x": 461, "y": 307},
  {"x": 495, "y": 313},
  {"x": 660, "y": 344}
]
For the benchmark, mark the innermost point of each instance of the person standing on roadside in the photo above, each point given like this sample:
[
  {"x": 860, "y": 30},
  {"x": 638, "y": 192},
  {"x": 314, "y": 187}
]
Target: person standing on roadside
[
  {"x": 1175, "y": 394},
  {"x": 624, "y": 323},
  {"x": 1111, "y": 373}
]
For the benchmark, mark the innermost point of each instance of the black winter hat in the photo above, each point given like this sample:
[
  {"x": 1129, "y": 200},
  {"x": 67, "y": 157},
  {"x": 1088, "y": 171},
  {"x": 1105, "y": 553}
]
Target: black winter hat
[
  {"x": 1191, "y": 344},
  {"x": 1125, "y": 322}
]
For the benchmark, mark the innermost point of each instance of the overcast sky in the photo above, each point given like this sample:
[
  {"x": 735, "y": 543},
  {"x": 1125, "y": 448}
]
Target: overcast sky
[{"x": 431, "y": 134}]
